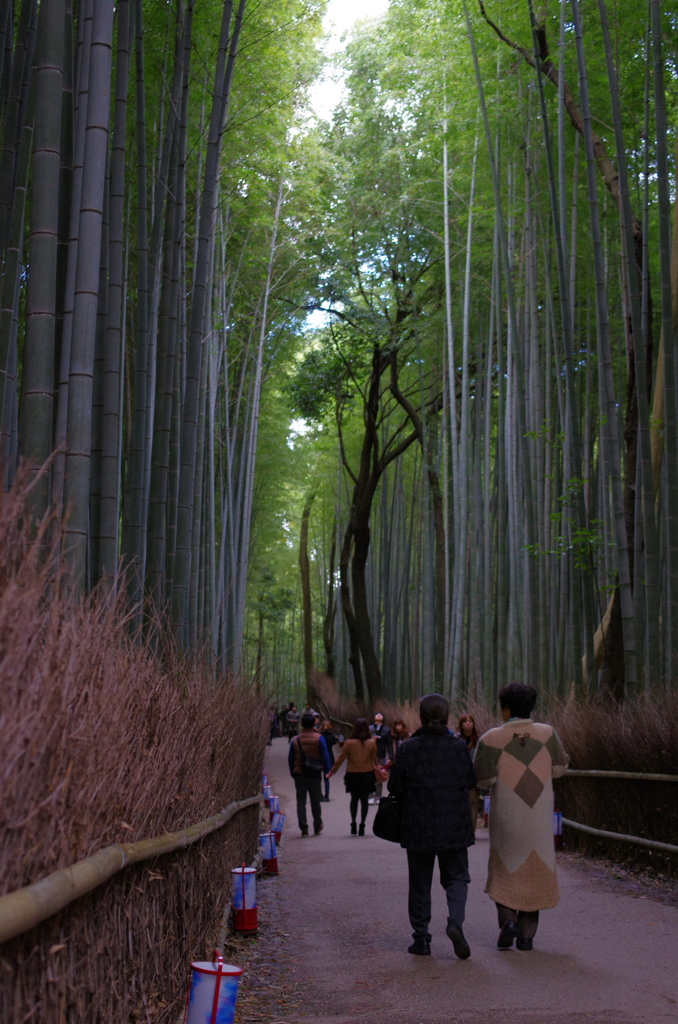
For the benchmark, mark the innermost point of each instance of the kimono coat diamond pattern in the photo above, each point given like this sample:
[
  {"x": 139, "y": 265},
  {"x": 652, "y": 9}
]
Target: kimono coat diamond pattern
[{"x": 518, "y": 761}]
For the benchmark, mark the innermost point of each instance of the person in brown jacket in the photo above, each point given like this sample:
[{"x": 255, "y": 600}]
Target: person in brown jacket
[
  {"x": 308, "y": 759},
  {"x": 360, "y": 752}
]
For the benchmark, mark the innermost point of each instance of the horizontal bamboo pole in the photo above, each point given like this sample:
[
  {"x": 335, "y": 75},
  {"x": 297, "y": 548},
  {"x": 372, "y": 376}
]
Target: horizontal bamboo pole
[
  {"x": 24, "y": 908},
  {"x": 620, "y": 838},
  {"x": 648, "y": 776}
]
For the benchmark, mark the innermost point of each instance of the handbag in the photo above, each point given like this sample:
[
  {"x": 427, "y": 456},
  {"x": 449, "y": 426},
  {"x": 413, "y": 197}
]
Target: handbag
[
  {"x": 380, "y": 774},
  {"x": 386, "y": 823}
]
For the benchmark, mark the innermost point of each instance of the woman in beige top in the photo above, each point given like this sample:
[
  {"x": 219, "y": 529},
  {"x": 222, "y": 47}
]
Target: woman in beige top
[{"x": 360, "y": 753}]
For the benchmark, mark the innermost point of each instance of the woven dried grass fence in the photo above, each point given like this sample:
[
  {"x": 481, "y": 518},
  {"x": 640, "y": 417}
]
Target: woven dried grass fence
[{"x": 103, "y": 745}]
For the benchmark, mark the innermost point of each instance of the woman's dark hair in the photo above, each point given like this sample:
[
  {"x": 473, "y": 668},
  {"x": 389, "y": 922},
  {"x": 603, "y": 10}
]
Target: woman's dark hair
[
  {"x": 434, "y": 711},
  {"x": 396, "y": 724},
  {"x": 307, "y": 721},
  {"x": 361, "y": 730},
  {"x": 519, "y": 699},
  {"x": 473, "y": 738}
]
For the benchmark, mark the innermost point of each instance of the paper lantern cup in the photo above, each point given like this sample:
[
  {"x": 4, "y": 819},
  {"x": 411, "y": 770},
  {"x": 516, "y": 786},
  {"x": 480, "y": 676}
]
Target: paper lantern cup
[
  {"x": 269, "y": 853},
  {"x": 268, "y": 793},
  {"x": 486, "y": 810},
  {"x": 277, "y": 825},
  {"x": 213, "y": 992},
  {"x": 558, "y": 829},
  {"x": 274, "y": 805},
  {"x": 264, "y": 779},
  {"x": 245, "y": 917}
]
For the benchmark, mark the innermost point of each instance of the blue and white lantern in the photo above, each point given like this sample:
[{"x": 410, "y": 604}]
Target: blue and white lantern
[
  {"x": 268, "y": 793},
  {"x": 264, "y": 779},
  {"x": 269, "y": 853},
  {"x": 274, "y": 805},
  {"x": 486, "y": 809},
  {"x": 213, "y": 992},
  {"x": 277, "y": 825},
  {"x": 244, "y": 899},
  {"x": 558, "y": 828}
]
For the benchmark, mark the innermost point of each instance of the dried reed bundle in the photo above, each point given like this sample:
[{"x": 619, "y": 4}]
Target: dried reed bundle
[
  {"x": 102, "y": 744},
  {"x": 640, "y": 736}
]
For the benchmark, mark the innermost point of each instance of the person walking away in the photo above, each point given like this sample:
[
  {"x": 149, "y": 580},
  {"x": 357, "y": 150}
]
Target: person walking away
[
  {"x": 273, "y": 725},
  {"x": 292, "y": 722},
  {"x": 466, "y": 729},
  {"x": 517, "y": 762},
  {"x": 330, "y": 741},
  {"x": 360, "y": 753},
  {"x": 308, "y": 759},
  {"x": 282, "y": 719},
  {"x": 399, "y": 732},
  {"x": 382, "y": 734},
  {"x": 431, "y": 777}
]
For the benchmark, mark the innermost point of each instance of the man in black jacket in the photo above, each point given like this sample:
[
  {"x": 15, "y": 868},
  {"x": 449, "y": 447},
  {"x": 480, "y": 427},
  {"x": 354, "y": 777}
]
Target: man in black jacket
[{"x": 431, "y": 777}]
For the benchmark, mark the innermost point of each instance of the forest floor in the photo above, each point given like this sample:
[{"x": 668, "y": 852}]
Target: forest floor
[{"x": 333, "y": 937}]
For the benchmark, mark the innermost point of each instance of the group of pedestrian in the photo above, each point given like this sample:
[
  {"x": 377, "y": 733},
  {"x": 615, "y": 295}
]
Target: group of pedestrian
[
  {"x": 286, "y": 722},
  {"x": 435, "y": 777},
  {"x": 432, "y": 776}
]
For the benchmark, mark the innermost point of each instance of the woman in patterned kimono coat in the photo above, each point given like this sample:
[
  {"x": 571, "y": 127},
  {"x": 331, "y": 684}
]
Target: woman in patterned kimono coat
[{"x": 517, "y": 761}]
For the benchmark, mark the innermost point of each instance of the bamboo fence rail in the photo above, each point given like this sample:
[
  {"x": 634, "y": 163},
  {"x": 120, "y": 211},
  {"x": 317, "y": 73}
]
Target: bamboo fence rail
[
  {"x": 595, "y": 773},
  {"x": 619, "y": 837},
  {"x": 26, "y": 907}
]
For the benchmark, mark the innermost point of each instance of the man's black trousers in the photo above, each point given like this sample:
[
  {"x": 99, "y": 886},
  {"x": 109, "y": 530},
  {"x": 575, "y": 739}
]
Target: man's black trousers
[
  {"x": 312, "y": 788},
  {"x": 454, "y": 878}
]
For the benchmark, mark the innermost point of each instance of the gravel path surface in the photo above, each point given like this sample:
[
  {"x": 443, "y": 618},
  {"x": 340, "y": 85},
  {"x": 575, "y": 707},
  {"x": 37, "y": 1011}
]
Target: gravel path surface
[{"x": 334, "y": 934}]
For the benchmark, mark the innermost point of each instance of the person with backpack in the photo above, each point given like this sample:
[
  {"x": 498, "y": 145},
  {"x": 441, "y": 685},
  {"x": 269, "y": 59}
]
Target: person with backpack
[{"x": 308, "y": 759}]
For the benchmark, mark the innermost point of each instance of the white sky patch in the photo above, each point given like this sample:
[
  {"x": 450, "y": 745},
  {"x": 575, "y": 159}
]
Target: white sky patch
[
  {"x": 316, "y": 319},
  {"x": 298, "y": 428},
  {"x": 341, "y": 16}
]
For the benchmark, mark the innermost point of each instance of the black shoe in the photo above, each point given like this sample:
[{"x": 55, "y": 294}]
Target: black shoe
[
  {"x": 304, "y": 833},
  {"x": 524, "y": 944},
  {"x": 509, "y": 931},
  {"x": 420, "y": 947},
  {"x": 361, "y": 828},
  {"x": 317, "y": 830},
  {"x": 461, "y": 946},
  {"x": 354, "y": 829}
]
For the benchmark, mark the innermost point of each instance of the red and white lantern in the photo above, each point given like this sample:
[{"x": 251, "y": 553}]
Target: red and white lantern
[
  {"x": 277, "y": 825},
  {"x": 269, "y": 853},
  {"x": 244, "y": 900},
  {"x": 213, "y": 992}
]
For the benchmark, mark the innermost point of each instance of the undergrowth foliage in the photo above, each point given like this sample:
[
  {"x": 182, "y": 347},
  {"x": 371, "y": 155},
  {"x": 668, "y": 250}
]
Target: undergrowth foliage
[
  {"x": 103, "y": 744},
  {"x": 634, "y": 736}
]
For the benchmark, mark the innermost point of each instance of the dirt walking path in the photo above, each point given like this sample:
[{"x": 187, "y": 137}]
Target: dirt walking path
[{"x": 341, "y": 916}]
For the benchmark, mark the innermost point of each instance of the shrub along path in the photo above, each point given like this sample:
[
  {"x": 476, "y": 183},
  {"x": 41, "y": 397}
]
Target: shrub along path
[{"x": 601, "y": 957}]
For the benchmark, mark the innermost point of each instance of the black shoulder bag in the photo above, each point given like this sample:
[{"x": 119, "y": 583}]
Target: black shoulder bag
[{"x": 386, "y": 823}]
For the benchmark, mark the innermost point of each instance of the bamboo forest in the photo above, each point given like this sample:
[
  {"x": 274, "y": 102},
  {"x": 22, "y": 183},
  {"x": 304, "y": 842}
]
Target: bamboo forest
[{"x": 385, "y": 393}]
